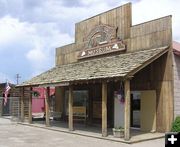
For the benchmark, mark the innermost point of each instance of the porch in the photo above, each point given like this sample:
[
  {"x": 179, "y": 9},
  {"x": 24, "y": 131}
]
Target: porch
[
  {"x": 95, "y": 131},
  {"x": 119, "y": 69}
]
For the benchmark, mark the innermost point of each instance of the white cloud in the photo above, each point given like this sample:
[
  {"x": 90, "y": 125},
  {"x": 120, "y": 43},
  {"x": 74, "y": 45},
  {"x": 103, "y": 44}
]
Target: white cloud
[
  {"x": 45, "y": 38},
  {"x": 39, "y": 41},
  {"x": 36, "y": 55},
  {"x": 4, "y": 77},
  {"x": 10, "y": 28}
]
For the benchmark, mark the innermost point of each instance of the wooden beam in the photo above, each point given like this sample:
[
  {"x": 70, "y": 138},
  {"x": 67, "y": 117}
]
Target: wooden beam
[
  {"x": 127, "y": 110},
  {"x": 47, "y": 106},
  {"x": 30, "y": 106},
  {"x": 70, "y": 108},
  {"x": 104, "y": 109},
  {"x": 22, "y": 104}
]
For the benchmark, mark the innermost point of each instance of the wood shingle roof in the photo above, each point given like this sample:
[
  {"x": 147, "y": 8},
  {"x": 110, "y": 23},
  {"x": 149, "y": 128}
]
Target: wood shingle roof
[{"x": 119, "y": 66}]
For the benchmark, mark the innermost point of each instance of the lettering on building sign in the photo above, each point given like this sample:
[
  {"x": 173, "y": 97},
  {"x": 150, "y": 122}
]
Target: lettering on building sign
[
  {"x": 105, "y": 49},
  {"x": 101, "y": 40}
]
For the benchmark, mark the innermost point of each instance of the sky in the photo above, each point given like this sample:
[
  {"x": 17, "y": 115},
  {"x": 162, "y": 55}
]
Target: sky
[{"x": 30, "y": 30}]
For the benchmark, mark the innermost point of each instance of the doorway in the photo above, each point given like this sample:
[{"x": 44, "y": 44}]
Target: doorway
[{"x": 135, "y": 109}]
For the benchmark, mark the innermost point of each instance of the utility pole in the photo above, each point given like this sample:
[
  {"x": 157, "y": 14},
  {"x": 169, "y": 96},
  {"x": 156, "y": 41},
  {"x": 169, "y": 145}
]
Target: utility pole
[{"x": 17, "y": 78}]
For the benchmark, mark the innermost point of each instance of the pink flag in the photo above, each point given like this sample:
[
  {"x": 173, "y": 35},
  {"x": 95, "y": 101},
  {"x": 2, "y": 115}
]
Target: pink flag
[{"x": 6, "y": 92}]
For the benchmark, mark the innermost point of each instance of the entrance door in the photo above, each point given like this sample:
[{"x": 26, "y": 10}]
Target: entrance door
[{"x": 135, "y": 109}]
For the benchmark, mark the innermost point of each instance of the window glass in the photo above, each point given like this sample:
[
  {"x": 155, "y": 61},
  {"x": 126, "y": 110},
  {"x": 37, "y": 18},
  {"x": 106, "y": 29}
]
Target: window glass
[{"x": 80, "y": 98}]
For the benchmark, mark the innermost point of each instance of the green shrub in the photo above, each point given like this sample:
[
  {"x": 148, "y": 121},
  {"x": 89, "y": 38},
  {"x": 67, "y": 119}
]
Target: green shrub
[{"x": 176, "y": 125}]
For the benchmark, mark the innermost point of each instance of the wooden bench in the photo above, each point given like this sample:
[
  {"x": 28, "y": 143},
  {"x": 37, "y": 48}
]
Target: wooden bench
[{"x": 79, "y": 113}]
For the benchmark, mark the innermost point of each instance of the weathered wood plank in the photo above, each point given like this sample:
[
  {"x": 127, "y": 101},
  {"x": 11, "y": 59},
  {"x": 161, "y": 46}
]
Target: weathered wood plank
[
  {"x": 70, "y": 103},
  {"x": 104, "y": 109},
  {"x": 156, "y": 25},
  {"x": 22, "y": 104},
  {"x": 119, "y": 25},
  {"x": 47, "y": 106},
  {"x": 59, "y": 99},
  {"x": 127, "y": 110},
  {"x": 30, "y": 107}
]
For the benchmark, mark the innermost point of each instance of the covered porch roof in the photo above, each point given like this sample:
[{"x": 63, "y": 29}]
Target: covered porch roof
[{"x": 120, "y": 66}]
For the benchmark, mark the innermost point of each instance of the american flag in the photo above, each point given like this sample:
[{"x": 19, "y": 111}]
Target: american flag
[{"x": 6, "y": 92}]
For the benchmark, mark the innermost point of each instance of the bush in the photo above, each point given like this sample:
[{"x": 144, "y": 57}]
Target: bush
[{"x": 176, "y": 125}]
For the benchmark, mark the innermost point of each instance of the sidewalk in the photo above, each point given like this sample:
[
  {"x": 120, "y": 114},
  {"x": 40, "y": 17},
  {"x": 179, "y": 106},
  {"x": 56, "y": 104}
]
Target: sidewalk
[
  {"x": 6, "y": 120},
  {"x": 25, "y": 136}
]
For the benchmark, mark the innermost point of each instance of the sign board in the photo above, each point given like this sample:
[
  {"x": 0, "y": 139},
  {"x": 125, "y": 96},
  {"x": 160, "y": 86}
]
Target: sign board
[
  {"x": 101, "y": 40},
  {"x": 103, "y": 49}
]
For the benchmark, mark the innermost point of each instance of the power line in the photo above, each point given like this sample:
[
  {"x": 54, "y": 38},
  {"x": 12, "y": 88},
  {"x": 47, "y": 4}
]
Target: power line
[{"x": 17, "y": 78}]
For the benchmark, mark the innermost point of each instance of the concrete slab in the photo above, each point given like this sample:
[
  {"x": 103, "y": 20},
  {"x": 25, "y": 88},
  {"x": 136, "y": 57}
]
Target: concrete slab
[{"x": 95, "y": 132}]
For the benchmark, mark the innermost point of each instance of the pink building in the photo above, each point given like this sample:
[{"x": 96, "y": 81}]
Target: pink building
[{"x": 38, "y": 103}]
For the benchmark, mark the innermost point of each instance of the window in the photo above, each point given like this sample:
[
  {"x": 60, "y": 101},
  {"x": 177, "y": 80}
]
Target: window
[{"x": 80, "y": 98}]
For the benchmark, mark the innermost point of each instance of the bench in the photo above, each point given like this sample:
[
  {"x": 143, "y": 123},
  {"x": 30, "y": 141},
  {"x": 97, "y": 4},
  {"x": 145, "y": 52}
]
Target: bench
[{"x": 79, "y": 113}]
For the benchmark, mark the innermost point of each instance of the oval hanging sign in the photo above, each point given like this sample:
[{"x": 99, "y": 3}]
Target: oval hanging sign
[{"x": 101, "y": 40}]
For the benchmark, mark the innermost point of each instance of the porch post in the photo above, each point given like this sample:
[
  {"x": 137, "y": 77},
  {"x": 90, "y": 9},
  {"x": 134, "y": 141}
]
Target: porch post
[
  {"x": 70, "y": 108},
  {"x": 104, "y": 109},
  {"x": 127, "y": 110},
  {"x": 59, "y": 99},
  {"x": 47, "y": 106},
  {"x": 30, "y": 106},
  {"x": 22, "y": 104}
]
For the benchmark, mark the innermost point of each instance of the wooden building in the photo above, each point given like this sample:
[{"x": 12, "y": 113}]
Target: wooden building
[
  {"x": 5, "y": 109},
  {"x": 122, "y": 74},
  {"x": 12, "y": 108}
]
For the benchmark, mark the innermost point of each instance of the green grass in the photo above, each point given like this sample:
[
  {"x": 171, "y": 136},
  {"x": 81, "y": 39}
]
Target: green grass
[{"x": 176, "y": 125}]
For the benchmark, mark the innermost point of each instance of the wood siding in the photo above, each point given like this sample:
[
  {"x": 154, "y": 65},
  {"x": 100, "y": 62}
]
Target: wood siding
[
  {"x": 158, "y": 76},
  {"x": 119, "y": 17},
  {"x": 152, "y": 34}
]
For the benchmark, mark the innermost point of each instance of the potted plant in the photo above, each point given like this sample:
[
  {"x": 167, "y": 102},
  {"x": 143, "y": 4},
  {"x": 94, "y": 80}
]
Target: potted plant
[{"x": 118, "y": 132}]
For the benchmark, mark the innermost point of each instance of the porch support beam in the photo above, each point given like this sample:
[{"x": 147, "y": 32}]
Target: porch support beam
[
  {"x": 70, "y": 108},
  {"x": 22, "y": 104},
  {"x": 104, "y": 109},
  {"x": 47, "y": 106},
  {"x": 127, "y": 110},
  {"x": 30, "y": 106}
]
